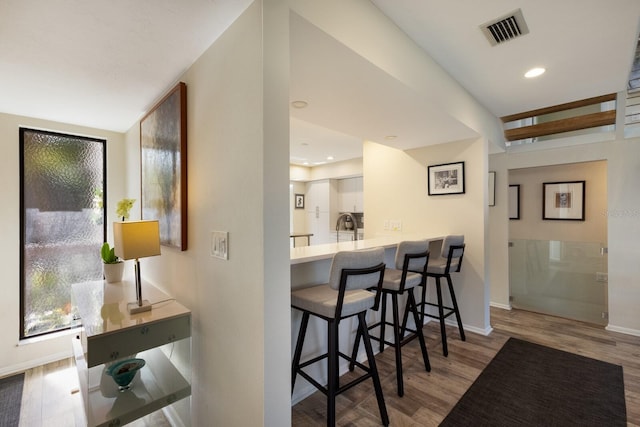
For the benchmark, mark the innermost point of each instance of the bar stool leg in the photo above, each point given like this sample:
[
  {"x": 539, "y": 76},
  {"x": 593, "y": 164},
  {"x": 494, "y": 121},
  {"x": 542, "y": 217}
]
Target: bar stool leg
[
  {"x": 423, "y": 302},
  {"x": 443, "y": 331},
  {"x": 455, "y": 308},
  {"x": 298, "y": 351},
  {"x": 411, "y": 305},
  {"x": 397, "y": 344},
  {"x": 332, "y": 372},
  {"x": 354, "y": 352},
  {"x": 383, "y": 320},
  {"x": 362, "y": 325}
]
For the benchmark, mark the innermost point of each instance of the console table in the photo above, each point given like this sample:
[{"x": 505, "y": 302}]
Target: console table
[{"x": 162, "y": 337}]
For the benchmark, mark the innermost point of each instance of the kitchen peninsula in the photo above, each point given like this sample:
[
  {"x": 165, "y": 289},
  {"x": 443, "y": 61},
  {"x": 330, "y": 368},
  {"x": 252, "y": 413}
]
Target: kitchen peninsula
[
  {"x": 307, "y": 257},
  {"x": 310, "y": 265}
]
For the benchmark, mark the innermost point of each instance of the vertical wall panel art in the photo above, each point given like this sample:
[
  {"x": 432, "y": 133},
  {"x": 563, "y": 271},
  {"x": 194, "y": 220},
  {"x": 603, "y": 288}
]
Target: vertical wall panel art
[{"x": 163, "y": 155}]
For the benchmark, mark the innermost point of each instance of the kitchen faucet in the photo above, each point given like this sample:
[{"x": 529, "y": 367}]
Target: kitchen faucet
[{"x": 342, "y": 217}]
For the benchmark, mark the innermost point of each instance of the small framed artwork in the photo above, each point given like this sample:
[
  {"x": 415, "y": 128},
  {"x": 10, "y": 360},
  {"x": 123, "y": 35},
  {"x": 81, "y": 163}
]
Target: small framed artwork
[
  {"x": 447, "y": 178},
  {"x": 563, "y": 200},
  {"x": 163, "y": 169},
  {"x": 299, "y": 201},
  {"x": 492, "y": 188},
  {"x": 514, "y": 201}
]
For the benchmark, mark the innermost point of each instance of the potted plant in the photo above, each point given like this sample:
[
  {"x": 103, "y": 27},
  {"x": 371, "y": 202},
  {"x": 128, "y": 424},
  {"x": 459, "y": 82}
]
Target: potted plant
[{"x": 112, "y": 266}]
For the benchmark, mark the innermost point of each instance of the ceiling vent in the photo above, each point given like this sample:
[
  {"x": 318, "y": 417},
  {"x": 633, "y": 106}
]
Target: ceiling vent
[{"x": 505, "y": 28}]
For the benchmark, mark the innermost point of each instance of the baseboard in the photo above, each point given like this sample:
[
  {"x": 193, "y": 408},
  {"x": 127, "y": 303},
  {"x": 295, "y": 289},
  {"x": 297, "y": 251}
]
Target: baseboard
[
  {"x": 467, "y": 328},
  {"x": 500, "y": 305},
  {"x": 623, "y": 330},
  {"x": 21, "y": 367}
]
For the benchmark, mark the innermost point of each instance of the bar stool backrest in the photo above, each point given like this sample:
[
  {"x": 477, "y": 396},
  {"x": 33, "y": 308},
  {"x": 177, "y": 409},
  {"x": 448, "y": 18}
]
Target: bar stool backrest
[
  {"x": 412, "y": 247},
  {"x": 356, "y": 260},
  {"x": 453, "y": 250}
]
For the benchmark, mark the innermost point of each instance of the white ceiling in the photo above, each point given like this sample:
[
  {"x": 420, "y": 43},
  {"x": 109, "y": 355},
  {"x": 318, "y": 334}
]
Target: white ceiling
[
  {"x": 104, "y": 63},
  {"x": 101, "y": 63},
  {"x": 587, "y": 47}
]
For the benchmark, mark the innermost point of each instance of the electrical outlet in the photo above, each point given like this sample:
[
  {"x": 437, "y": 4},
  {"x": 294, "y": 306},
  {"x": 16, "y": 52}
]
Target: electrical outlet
[
  {"x": 220, "y": 244},
  {"x": 602, "y": 277}
]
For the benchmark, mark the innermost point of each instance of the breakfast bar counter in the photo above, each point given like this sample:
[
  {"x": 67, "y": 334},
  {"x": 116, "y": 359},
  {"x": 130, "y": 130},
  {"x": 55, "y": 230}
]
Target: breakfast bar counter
[{"x": 326, "y": 251}]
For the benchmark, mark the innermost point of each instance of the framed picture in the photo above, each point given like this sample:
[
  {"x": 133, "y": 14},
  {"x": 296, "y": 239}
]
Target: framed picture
[
  {"x": 514, "y": 201},
  {"x": 299, "y": 201},
  {"x": 447, "y": 178},
  {"x": 563, "y": 200},
  {"x": 163, "y": 169},
  {"x": 492, "y": 188}
]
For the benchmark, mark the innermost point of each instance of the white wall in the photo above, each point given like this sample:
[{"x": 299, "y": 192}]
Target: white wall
[
  {"x": 497, "y": 239},
  {"x": 532, "y": 226},
  {"x": 622, "y": 215},
  {"x": 396, "y": 189},
  {"x": 16, "y": 357},
  {"x": 240, "y": 307},
  {"x": 298, "y": 217},
  {"x": 344, "y": 169}
]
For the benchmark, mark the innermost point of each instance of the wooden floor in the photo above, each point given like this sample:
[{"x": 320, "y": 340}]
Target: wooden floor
[
  {"x": 430, "y": 396},
  {"x": 50, "y": 398}
]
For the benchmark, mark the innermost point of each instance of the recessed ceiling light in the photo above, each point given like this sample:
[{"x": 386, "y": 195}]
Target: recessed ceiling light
[
  {"x": 305, "y": 163},
  {"x": 390, "y": 137},
  {"x": 329, "y": 157},
  {"x": 299, "y": 104},
  {"x": 534, "y": 72}
]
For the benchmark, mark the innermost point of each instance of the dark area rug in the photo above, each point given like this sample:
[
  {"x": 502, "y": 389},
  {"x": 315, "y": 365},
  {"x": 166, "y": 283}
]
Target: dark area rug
[
  {"x": 10, "y": 400},
  {"x": 528, "y": 384}
]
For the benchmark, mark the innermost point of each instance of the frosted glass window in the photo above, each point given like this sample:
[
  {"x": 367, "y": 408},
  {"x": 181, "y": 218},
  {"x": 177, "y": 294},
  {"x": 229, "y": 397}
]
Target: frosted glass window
[{"x": 62, "y": 224}]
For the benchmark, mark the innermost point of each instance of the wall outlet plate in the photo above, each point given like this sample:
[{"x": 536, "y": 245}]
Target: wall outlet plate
[
  {"x": 395, "y": 224},
  {"x": 220, "y": 244}
]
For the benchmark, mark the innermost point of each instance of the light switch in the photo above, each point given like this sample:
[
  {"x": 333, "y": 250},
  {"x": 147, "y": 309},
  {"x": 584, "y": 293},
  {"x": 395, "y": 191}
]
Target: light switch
[
  {"x": 396, "y": 225},
  {"x": 220, "y": 244}
]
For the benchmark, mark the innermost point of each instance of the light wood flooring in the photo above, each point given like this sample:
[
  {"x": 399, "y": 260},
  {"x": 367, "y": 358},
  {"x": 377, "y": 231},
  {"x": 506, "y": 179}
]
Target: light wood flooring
[
  {"x": 50, "y": 396},
  {"x": 430, "y": 396}
]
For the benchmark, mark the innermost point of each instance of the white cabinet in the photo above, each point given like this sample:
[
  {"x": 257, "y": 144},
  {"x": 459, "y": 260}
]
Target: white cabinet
[
  {"x": 350, "y": 192},
  {"x": 162, "y": 337},
  {"x": 319, "y": 225},
  {"x": 321, "y": 208}
]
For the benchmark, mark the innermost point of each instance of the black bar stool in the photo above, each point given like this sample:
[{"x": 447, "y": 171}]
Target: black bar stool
[
  {"x": 449, "y": 261},
  {"x": 411, "y": 262},
  {"x": 346, "y": 295}
]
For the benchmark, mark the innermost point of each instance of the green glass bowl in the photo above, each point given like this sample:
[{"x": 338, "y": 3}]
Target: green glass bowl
[{"x": 124, "y": 371}]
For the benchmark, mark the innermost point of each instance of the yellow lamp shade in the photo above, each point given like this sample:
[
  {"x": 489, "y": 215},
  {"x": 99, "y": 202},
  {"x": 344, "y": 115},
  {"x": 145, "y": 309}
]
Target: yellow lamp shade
[{"x": 136, "y": 239}]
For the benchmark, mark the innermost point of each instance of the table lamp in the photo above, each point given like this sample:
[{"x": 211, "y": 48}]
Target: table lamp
[{"x": 135, "y": 240}]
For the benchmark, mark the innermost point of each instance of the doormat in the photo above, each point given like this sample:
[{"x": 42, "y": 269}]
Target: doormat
[
  {"x": 10, "y": 400},
  {"x": 527, "y": 384}
]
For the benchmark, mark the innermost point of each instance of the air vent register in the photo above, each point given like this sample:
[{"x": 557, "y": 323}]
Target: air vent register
[{"x": 505, "y": 28}]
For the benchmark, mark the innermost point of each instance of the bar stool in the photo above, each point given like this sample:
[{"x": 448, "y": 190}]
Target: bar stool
[
  {"x": 411, "y": 262},
  {"x": 450, "y": 261},
  {"x": 346, "y": 295}
]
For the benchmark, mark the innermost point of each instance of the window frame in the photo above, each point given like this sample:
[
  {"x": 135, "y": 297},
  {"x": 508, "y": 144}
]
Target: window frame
[{"x": 22, "y": 214}]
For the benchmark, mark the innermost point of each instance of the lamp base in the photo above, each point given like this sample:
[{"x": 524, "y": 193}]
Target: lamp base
[{"x": 134, "y": 308}]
